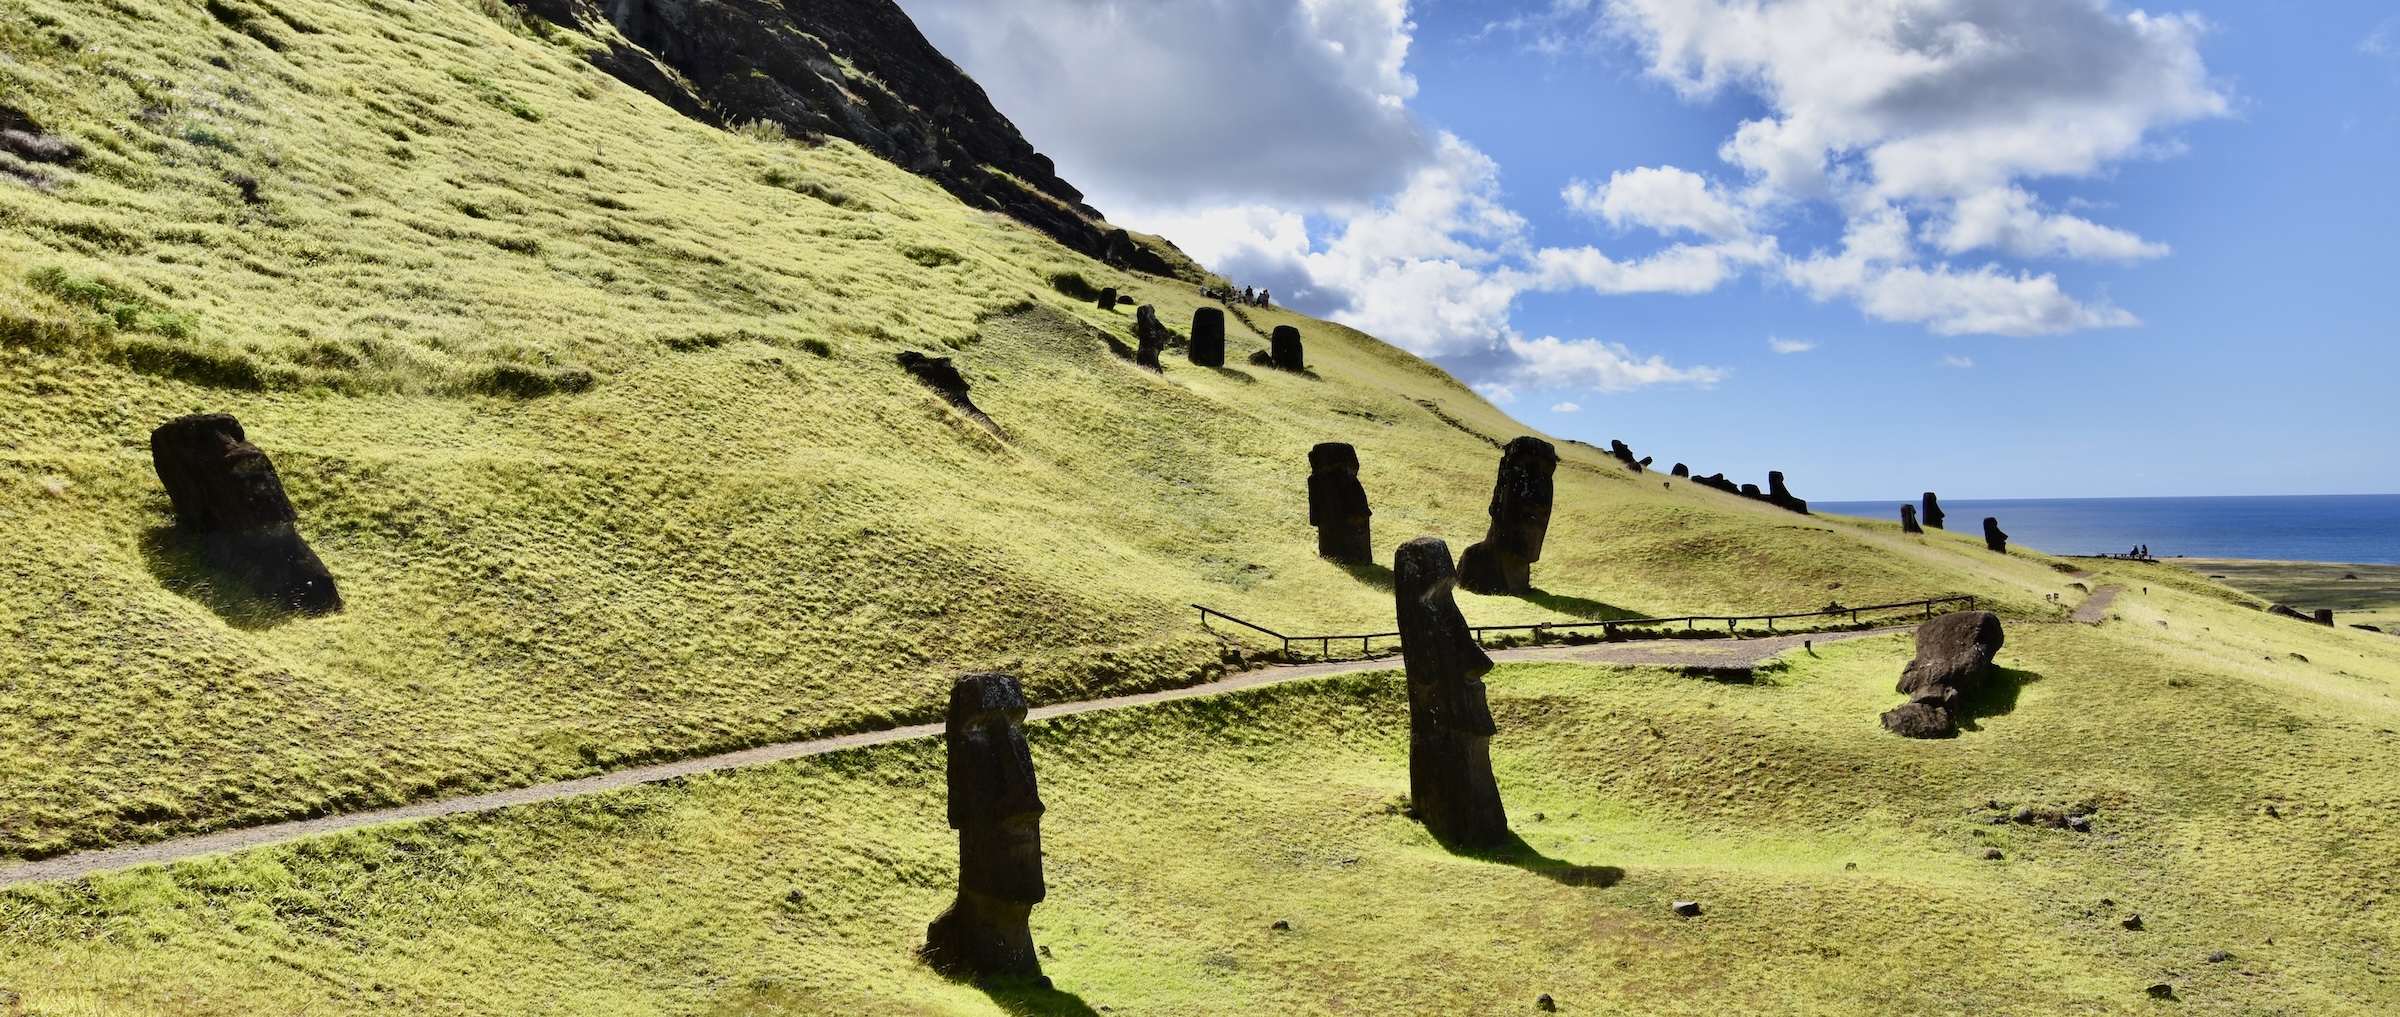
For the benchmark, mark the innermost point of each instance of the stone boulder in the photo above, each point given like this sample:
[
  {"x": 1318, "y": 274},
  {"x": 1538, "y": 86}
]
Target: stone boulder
[
  {"x": 1150, "y": 335},
  {"x": 1285, "y": 344},
  {"x": 1337, "y": 504},
  {"x": 1992, "y": 537},
  {"x": 1933, "y": 511},
  {"x": 1954, "y": 660},
  {"x": 1502, "y": 563},
  {"x": 997, "y": 810},
  {"x": 1208, "y": 337},
  {"x": 226, "y": 493},
  {"x": 1450, "y": 726},
  {"x": 1908, "y": 519}
]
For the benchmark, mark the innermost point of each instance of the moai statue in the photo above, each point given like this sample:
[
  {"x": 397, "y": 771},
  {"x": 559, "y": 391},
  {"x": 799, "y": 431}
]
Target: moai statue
[
  {"x": 1450, "y": 727},
  {"x": 1287, "y": 353},
  {"x": 1781, "y": 496},
  {"x": 1150, "y": 334},
  {"x": 2323, "y": 616},
  {"x": 1682, "y": 471},
  {"x": 1933, "y": 511},
  {"x": 1992, "y": 537},
  {"x": 1337, "y": 504},
  {"x": 1208, "y": 337},
  {"x": 1502, "y": 563},
  {"x": 1108, "y": 299},
  {"x": 1954, "y": 659},
  {"x": 225, "y": 492},
  {"x": 1624, "y": 454},
  {"x": 997, "y": 812},
  {"x": 1908, "y": 519}
]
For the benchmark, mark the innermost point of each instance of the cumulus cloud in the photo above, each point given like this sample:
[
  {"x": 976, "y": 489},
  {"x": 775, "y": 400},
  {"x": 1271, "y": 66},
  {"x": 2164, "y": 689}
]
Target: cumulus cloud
[
  {"x": 1782, "y": 345},
  {"x": 1961, "y": 363},
  {"x": 1664, "y": 199},
  {"x": 1566, "y": 408}
]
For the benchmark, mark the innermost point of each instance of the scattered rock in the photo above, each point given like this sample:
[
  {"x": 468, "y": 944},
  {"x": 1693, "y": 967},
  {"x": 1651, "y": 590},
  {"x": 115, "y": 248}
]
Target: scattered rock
[
  {"x": 1781, "y": 497},
  {"x": 227, "y": 494},
  {"x": 1954, "y": 658},
  {"x": 2132, "y": 923},
  {"x": 2219, "y": 957},
  {"x": 1933, "y": 511},
  {"x": 1908, "y": 520},
  {"x": 2272, "y": 814},
  {"x": 1261, "y": 358},
  {"x": 2023, "y": 815},
  {"x": 1992, "y": 537},
  {"x": 1688, "y": 908},
  {"x": 1450, "y": 725},
  {"x": 1502, "y": 563},
  {"x": 1281, "y": 926},
  {"x": 997, "y": 811},
  {"x": 2162, "y": 991},
  {"x": 2365, "y": 628},
  {"x": 1285, "y": 344},
  {"x": 1545, "y": 1004},
  {"x": 1991, "y": 854},
  {"x": 2349, "y": 575},
  {"x": 1208, "y": 337},
  {"x": 1108, "y": 299},
  {"x": 1337, "y": 504},
  {"x": 248, "y": 185},
  {"x": 2079, "y": 824},
  {"x": 1150, "y": 336},
  {"x": 1920, "y": 720}
]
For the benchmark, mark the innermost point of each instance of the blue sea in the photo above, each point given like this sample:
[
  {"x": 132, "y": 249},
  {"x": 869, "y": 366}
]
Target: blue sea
[{"x": 2353, "y": 528}]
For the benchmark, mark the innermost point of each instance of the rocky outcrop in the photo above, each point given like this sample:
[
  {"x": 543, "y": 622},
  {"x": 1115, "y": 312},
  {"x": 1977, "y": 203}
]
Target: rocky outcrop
[
  {"x": 1284, "y": 349},
  {"x": 1337, "y": 504},
  {"x": 997, "y": 810},
  {"x": 1208, "y": 337},
  {"x": 1908, "y": 519},
  {"x": 1502, "y": 563},
  {"x": 226, "y": 493},
  {"x": 1933, "y": 511},
  {"x": 853, "y": 69},
  {"x": 1450, "y": 727},
  {"x": 1954, "y": 660},
  {"x": 1992, "y": 537}
]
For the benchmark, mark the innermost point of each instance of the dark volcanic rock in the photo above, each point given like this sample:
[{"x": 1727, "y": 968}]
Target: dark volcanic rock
[
  {"x": 1920, "y": 720},
  {"x": 2323, "y": 616},
  {"x": 1108, "y": 299},
  {"x": 1908, "y": 520},
  {"x": 1261, "y": 358},
  {"x": 1717, "y": 482},
  {"x": 1208, "y": 337},
  {"x": 1450, "y": 728},
  {"x": 1624, "y": 454},
  {"x": 1954, "y": 659},
  {"x": 1781, "y": 496},
  {"x": 2279, "y": 609},
  {"x": 227, "y": 494},
  {"x": 1337, "y": 504},
  {"x": 1682, "y": 471},
  {"x": 24, "y": 138},
  {"x": 1502, "y": 563},
  {"x": 1285, "y": 341},
  {"x": 1992, "y": 537},
  {"x": 1151, "y": 336},
  {"x": 997, "y": 810},
  {"x": 853, "y": 69},
  {"x": 941, "y": 376},
  {"x": 1752, "y": 491},
  {"x": 1933, "y": 511}
]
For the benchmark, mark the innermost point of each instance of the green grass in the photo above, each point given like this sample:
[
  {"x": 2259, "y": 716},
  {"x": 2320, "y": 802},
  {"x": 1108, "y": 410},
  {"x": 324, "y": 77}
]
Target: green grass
[{"x": 2357, "y": 594}]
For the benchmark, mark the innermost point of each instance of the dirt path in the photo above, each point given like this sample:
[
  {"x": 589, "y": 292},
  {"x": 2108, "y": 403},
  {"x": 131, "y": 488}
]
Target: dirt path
[
  {"x": 1711, "y": 653},
  {"x": 2094, "y": 608}
]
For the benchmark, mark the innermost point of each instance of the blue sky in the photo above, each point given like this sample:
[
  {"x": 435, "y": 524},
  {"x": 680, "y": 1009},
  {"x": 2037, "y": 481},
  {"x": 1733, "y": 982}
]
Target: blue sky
[{"x": 1995, "y": 248}]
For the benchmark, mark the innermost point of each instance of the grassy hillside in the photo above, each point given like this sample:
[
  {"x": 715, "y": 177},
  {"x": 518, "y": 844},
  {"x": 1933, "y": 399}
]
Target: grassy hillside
[{"x": 592, "y": 411}]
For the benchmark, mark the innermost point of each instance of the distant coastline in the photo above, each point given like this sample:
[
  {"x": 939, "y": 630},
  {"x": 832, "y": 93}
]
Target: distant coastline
[{"x": 2347, "y": 528}]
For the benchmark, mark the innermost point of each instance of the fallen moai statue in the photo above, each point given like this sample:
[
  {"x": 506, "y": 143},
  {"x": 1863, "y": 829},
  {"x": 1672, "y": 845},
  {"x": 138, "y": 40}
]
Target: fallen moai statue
[
  {"x": 1208, "y": 337},
  {"x": 940, "y": 375},
  {"x": 1337, "y": 504},
  {"x": 1624, "y": 454},
  {"x": 1285, "y": 351},
  {"x": 1682, "y": 471},
  {"x": 1954, "y": 659},
  {"x": 1781, "y": 496},
  {"x": 1150, "y": 336},
  {"x": 997, "y": 811},
  {"x": 1450, "y": 727},
  {"x": 226, "y": 493},
  {"x": 1933, "y": 511},
  {"x": 1992, "y": 537},
  {"x": 1717, "y": 482},
  {"x": 1502, "y": 563},
  {"x": 1908, "y": 519}
]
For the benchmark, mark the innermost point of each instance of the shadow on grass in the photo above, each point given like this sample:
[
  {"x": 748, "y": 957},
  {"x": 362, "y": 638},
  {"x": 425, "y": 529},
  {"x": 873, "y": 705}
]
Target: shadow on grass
[
  {"x": 1241, "y": 376},
  {"x": 1035, "y": 997},
  {"x": 181, "y": 566},
  {"x": 1589, "y": 610},
  {"x": 1377, "y": 576},
  {"x": 1997, "y": 697},
  {"x": 1516, "y": 853}
]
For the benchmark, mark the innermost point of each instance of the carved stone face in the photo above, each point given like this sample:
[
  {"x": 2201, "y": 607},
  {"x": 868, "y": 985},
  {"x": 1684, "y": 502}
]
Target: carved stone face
[
  {"x": 994, "y": 804},
  {"x": 1445, "y": 666},
  {"x": 1521, "y": 500}
]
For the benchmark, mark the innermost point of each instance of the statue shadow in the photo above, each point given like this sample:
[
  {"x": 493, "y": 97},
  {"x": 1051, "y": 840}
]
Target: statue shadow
[
  {"x": 1035, "y": 997},
  {"x": 1580, "y": 607},
  {"x": 1377, "y": 576},
  {"x": 1518, "y": 854},
  {"x": 180, "y": 564},
  {"x": 1244, "y": 377},
  {"x": 1997, "y": 697}
]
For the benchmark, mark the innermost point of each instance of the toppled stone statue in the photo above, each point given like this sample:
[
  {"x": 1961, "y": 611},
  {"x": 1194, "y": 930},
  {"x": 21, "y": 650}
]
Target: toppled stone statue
[
  {"x": 1908, "y": 519},
  {"x": 1120, "y": 250},
  {"x": 1502, "y": 563},
  {"x": 1151, "y": 336},
  {"x": 1450, "y": 726},
  {"x": 1954, "y": 659},
  {"x": 1752, "y": 492},
  {"x": 1108, "y": 299},
  {"x": 1208, "y": 337},
  {"x": 1717, "y": 482},
  {"x": 226, "y": 493},
  {"x": 1285, "y": 342},
  {"x": 1624, "y": 454},
  {"x": 1992, "y": 537},
  {"x": 997, "y": 812},
  {"x": 1337, "y": 504},
  {"x": 2283, "y": 611},
  {"x": 1682, "y": 471},
  {"x": 1933, "y": 511},
  {"x": 940, "y": 375},
  {"x": 1781, "y": 496}
]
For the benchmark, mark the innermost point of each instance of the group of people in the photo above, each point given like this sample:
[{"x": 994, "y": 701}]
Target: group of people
[{"x": 1245, "y": 296}]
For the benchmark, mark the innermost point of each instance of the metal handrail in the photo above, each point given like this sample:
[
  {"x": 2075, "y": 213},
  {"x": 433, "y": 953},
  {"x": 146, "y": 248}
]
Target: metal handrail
[{"x": 1607, "y": 628}]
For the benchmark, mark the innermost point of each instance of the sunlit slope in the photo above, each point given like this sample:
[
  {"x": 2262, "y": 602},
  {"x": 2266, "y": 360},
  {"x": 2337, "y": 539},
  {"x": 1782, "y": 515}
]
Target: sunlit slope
[
  {"x": 593, "y": 413},
  {"x": 2241, "y": 808}
]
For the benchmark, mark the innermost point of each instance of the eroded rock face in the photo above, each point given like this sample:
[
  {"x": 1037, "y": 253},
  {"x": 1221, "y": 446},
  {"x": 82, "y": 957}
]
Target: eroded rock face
[
  {"x": 1337, "y": 504},
  {"x": 1450, "y": 726},
  {"x": 1781, "y": 496},
  {"x": 1208, "y": 337},
  {"x": 1954, "y": 660},
  {"x": 1933, "y": 511},
  {"x": 227, "y": 494},
  {"x": 997, "y": 810},
  {"x": 1285, "y": 349},
  {"x": 1992, "y": 537},
  {"x": 1908, "y": 520},
  {"x": 1151, "y": 336},
  {"x": 1502, "y": 563}
]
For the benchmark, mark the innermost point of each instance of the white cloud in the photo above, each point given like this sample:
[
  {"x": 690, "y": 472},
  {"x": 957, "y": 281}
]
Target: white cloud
[
  {"x": 2383, "y": 42},
  {"x": 1550, "y": 362},
  {"x": 1783, "y": 345},
  {"x": 1566, "y": 408},
  {"x": 1662, "y": 198},
  {"x": 1961, "y": 363}
]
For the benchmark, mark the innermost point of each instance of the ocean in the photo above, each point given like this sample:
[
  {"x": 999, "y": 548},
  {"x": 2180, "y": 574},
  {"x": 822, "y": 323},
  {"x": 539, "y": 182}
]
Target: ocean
[{"x": 2352, "y": 528}]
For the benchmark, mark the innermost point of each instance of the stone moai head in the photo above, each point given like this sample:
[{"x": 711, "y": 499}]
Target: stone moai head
[
  {"x": 1450, "y": 723},
  {"x": 1285, "y": 348},
  {"x": 1992, "y": 537},
  {"x": 1908, "y": 519},
  {"x": 1150, "y": 334},
  {"x": 1933, "y": 511},
  {"x": 1521, "y": 499},
  {"x": 1775, "y": 488},
  {"x": 1337, "y": 504},
  {"x": 1208, "y": 337},
  {"x": 994, "y": 804},
  {"x": 1682, "y": 471},
  {"x": 1108, "y": 299},
  {"x": 226, "y": 493}
]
